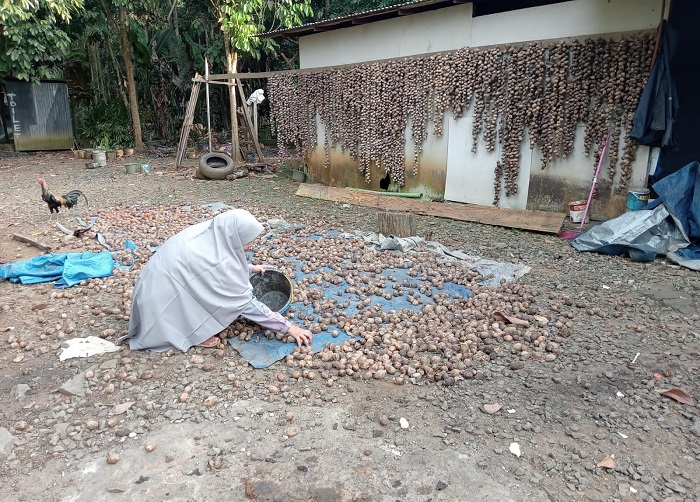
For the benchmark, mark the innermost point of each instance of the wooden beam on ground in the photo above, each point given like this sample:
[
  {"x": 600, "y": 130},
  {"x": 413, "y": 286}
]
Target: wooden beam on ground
[
  {"x": 538, "y": 221},
  {"x": 36, "y": 244}
]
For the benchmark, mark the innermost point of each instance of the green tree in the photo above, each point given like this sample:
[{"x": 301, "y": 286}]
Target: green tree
[
  {"x": 33, "y": 38},
  {"x": 119, "y": 16},
  {"x": 241, "y": 22}
]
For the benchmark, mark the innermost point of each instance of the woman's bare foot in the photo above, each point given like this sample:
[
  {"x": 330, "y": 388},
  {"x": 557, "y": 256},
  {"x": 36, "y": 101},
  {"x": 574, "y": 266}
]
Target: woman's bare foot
[{"x": 210, "y": 342}]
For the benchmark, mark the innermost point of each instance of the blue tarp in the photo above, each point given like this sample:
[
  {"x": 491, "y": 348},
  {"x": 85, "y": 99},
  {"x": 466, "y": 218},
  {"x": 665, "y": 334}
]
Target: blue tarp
[
  {"x": 67, "y": 269},
  {"x": 261, "y": 352},
  {"x": 670, "y": 225}
]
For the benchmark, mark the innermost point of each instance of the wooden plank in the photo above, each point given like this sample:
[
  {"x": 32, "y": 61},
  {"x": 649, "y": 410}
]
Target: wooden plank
[
  {"x": 187, "y": 123},
  {"x": 300, "y": 71},
  {"x": 36, "y": 244},
  {"x": 538, "y": 221}
]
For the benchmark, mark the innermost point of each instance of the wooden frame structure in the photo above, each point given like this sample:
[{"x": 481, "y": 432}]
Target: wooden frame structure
[{"x": 250, "y": 123}]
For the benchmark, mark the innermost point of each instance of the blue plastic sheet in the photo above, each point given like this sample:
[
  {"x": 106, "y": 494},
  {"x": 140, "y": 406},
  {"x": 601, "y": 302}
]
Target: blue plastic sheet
[
  {"x": 261, "y": 352},
  {"x": 66, "y": 269}
]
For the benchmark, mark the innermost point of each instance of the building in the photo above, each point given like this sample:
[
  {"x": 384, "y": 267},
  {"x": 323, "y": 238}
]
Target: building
[{"x": 448, "y": 167}]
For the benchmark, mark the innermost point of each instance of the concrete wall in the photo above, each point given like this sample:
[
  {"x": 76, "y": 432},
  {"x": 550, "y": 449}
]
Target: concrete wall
[{"x": 469, "y": 177}]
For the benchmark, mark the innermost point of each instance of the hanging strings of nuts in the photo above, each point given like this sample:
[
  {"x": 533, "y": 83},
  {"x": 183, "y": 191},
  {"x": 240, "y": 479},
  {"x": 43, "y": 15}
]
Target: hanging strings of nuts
[{"x": 546, "y": 90}]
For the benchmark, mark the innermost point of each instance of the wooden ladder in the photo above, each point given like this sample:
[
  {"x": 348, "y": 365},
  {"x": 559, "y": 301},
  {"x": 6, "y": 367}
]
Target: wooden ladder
[{"x": 187, "y": 122}]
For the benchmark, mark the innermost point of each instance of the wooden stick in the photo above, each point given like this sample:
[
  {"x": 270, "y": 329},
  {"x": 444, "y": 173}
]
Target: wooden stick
[
  {"x": 658, "y": 35},
  {"x": 34, "y": 243},
  {"x": 248, "y": 122}
]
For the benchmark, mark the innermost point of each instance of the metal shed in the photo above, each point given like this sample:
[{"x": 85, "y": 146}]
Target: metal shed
[{"x": 37, "y": 115}]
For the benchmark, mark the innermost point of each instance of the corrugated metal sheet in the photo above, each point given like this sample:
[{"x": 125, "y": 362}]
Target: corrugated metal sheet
[{"x": 40, "y": 115}]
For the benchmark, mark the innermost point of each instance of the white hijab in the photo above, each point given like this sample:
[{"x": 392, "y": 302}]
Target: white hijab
[{"x": 195, "y": 285}]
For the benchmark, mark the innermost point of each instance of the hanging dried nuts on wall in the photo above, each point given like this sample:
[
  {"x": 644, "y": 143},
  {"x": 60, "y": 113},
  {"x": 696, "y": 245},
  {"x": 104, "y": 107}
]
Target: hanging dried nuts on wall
[{"x": 367, "y": 110}]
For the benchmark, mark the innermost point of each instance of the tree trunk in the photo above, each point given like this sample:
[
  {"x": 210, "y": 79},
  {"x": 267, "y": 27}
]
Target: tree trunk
[
  {"x": 117, "y": 72},
  {"x": 130, "y": 81},
  {"x": 396, "y": 224},
  {"x": 231, "y": 65}
]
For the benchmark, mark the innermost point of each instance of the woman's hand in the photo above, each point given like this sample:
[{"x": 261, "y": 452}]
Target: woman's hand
[
  {"x": 301, "y": 335},
  {"x": 260, "y": 268}
]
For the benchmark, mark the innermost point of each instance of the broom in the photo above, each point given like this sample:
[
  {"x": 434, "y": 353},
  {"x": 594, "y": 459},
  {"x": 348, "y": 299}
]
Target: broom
[{"x": 570, "y": 234}]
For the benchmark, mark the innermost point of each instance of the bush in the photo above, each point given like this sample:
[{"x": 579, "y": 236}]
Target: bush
[{"x": 104, "y": 125}]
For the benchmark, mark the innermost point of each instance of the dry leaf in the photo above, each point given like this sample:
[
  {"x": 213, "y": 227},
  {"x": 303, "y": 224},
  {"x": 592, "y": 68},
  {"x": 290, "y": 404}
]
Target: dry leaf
[
  {"x": 677, "y": 394},
  {"x": 249, "y": 492},
  {"x": 492, "y": 408},
  {"x": 513, "y": 320},
  {"x": 607, "y": 462},
  {"x": 121, "y": 408}
]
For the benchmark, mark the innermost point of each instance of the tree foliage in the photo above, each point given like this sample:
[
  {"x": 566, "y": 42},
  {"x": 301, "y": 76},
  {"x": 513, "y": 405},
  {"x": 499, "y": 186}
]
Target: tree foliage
[
  {"x": 137, "y": 57},
  {"x": 242, "y": 21},
  {"x": 33, "y": 41}
]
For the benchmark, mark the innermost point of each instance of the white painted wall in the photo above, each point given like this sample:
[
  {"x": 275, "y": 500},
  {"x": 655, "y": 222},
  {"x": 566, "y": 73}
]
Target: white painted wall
[
  {"x": 441, "y": 30},
  {"x": 470, "y": 176}
]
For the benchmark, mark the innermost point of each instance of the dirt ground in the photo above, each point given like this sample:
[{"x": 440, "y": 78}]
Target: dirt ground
[{"x": 586, "y": 414}]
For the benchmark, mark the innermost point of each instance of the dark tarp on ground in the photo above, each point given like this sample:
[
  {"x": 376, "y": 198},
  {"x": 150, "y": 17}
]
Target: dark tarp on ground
[
  {"x": 669, "y": 226},
  {"x": 658, "y": 104}
]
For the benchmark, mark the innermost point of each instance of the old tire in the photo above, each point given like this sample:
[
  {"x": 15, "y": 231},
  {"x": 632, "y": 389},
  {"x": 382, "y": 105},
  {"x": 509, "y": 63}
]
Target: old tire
[{"x": 216, "y": 166}]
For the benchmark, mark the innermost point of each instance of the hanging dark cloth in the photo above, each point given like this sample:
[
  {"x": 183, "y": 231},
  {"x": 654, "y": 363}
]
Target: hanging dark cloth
[{"x": 658, "y": 104}]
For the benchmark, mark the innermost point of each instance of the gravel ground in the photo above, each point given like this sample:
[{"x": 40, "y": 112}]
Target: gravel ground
[{"x": 576, "y": 389}]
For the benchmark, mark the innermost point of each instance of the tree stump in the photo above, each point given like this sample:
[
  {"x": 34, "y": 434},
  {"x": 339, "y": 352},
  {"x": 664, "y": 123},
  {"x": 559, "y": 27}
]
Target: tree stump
[{"x": 397, "y": 224}]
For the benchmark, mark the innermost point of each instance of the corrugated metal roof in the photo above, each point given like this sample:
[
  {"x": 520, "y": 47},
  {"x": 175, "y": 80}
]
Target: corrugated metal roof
[
  {"x": 40, "y": 115},
  {"x": 369, "y": 16}
]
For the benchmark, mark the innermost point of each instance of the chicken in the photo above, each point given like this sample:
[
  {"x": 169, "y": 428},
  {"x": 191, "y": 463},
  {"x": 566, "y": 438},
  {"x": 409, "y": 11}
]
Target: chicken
[
  {"x": 384, "y": 183},
  {"x": 68, "y": 200}
]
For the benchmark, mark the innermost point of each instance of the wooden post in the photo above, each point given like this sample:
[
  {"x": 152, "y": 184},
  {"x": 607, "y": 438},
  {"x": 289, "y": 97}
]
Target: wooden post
[
  {"x": 396, "y": 223},
  {"x": 249, "y": 123}
]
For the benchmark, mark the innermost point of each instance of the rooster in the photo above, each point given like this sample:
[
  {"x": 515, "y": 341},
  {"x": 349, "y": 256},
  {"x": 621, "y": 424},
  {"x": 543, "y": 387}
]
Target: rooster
[{"x": 68, "y": 200}]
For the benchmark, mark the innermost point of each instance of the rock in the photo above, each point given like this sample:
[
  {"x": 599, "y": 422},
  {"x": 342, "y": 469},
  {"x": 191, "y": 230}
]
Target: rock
[
  {"x": 76, "y": 386},
  {"x": 290, "y": 432},
  {"x": 18, "y": 391},
  {"x": 7, "y": 440},
  {"x": 21, "y": 425},
  {"x": 197, "y": 359},
  {"x": 695, "y": 429},
  {"x": 441, "y": 485},
  {"x": 92, "y": 425},
  {"x": 517, "y": 365},
  {"x": 112, "y": 458},
  {"x": 302, "y": 468},
  {"x": 211, "y": 401},
  {"x": 403, "y": 422},
  {"x": 383, "y": 420},
  {"x": 109, "y": 365},
  {"x": 150, "y": 447}
]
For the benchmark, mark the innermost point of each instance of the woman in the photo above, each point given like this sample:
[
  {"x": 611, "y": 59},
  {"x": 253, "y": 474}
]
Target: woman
[{"x": 197, "y": 283}]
